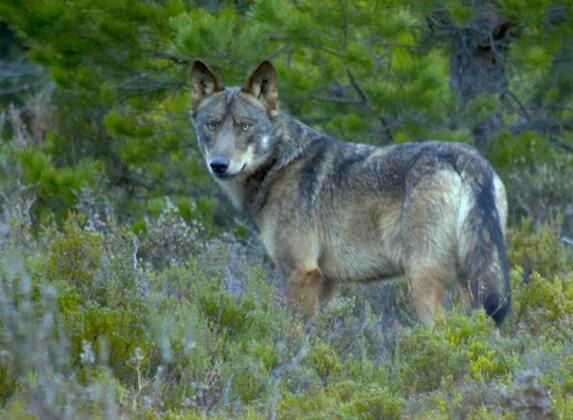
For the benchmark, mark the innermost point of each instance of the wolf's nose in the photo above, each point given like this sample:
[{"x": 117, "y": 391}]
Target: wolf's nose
[{"x": 219, "y": 165}]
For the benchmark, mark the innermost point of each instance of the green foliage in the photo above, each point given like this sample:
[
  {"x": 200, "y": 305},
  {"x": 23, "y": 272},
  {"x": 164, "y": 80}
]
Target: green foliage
[
  {"x": 376, "y": 72},
  {"x": 542, "y": 282},
  {"x": 74, "y": 255},
  {"x": 345, "y": 399},
  {"x": 456, "y": 347},
  {"x": 208, "y": 333},
  {"x": 539, "y": 250},
  {"x": 552, "y": 300}
]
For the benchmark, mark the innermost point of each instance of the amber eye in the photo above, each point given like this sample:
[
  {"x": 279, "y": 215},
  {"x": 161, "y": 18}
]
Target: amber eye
[
  {"x": 211, "y": 125},
  {"x": 246, "y": 127}
]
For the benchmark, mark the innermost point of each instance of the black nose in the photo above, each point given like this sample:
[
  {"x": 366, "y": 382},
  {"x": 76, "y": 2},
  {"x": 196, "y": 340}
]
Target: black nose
[{"x": 219, "y": 165}]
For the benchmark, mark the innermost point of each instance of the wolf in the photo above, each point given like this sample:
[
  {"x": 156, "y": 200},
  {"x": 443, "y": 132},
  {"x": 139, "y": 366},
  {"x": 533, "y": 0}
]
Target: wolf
[{"x": 330, "y": 212}]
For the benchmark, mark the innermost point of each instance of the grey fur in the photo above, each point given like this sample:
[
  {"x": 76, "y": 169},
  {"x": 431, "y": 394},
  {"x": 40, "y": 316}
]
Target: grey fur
[{"x": 329, "y": 211}]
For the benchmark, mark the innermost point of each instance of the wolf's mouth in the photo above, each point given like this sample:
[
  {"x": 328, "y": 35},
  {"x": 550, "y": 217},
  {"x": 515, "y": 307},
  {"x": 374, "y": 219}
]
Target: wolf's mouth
[{"x": 227, "y": 175}]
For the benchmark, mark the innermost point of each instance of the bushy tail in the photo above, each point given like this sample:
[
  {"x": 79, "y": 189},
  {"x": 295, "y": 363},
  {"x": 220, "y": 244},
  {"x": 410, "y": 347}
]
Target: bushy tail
[{"x": 483, "y": 254}]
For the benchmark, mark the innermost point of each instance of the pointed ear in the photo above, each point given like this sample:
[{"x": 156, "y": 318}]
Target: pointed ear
[
  {"x": 263, "y": 85},
  {"x": 204, "y": 83}
]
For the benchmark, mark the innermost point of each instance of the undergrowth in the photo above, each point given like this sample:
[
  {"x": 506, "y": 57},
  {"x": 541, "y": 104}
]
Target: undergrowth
[{"x": 97, "y": 321}]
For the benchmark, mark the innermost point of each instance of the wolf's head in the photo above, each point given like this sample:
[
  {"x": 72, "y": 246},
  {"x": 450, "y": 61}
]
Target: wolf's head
[{"x": 234, "y": 126}]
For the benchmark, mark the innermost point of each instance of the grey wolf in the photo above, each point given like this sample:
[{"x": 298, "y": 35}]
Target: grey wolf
[{"x": 329, "y": 212}]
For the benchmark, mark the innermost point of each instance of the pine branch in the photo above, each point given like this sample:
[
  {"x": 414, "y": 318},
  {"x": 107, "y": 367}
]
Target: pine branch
[
  {"x": 177, "y": 59},
  {"x": 363, "y": 98}
]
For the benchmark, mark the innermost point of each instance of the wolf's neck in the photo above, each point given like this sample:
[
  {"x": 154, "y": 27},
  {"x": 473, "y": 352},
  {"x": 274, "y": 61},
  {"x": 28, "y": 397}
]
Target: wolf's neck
[
  {"x": 256, "y": 187},
  {"x": 294, "y": 138}
]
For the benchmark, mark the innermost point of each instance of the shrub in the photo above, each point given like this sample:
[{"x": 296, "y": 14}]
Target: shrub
[
  {"x": 206, "y": 332},
  {"x": 454, "y": 348}
]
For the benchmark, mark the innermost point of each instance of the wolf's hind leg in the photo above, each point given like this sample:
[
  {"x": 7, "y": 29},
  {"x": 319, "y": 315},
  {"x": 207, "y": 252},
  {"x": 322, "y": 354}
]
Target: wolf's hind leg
[
  {"x": 426, "y": 292},
  {"x": 429, "y": 221},
  {"x": 304, "y": 290}
]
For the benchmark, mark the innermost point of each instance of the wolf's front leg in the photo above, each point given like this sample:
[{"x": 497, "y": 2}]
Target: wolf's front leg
[
  {"x": 328, "y": 291},
  {"x": 304, "y": 290}
]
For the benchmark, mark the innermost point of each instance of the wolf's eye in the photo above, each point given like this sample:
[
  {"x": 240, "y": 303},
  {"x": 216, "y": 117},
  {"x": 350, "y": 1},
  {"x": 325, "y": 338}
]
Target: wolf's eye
[
  {"x": 246, "y": 127},
  {"x": 211, "y": 125}
]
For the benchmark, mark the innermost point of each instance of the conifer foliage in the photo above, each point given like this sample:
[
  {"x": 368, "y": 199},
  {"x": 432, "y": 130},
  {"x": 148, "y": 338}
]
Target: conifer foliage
[{"x": 495, "y": 74}]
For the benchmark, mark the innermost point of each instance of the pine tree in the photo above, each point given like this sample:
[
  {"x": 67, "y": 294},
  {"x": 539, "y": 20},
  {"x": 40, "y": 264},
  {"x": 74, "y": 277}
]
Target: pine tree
[{"x": 497, "y": 75}]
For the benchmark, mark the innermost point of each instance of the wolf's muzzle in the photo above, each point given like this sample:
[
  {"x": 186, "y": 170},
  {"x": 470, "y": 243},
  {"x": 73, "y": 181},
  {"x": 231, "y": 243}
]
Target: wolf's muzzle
[{"x": 219, "y": 165}]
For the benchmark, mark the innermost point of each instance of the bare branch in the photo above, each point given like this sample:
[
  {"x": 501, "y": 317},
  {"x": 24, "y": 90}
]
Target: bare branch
[
  {"x": 363, "y": 98},
  {"x": 519, "y": 104},
  {"x": 339, "y": 100},
  {"x": 277, "y": 52},
  {"x": 173, "y": 57}
]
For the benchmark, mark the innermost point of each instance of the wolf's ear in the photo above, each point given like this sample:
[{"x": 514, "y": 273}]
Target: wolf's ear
[
  {"x": 263, "y": 85},
  {"x": 204, "y": 82}
]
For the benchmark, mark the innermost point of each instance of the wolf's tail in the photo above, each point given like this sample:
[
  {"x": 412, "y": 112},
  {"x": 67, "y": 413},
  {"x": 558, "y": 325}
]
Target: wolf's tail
[{"x": 482, "y": 250}]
